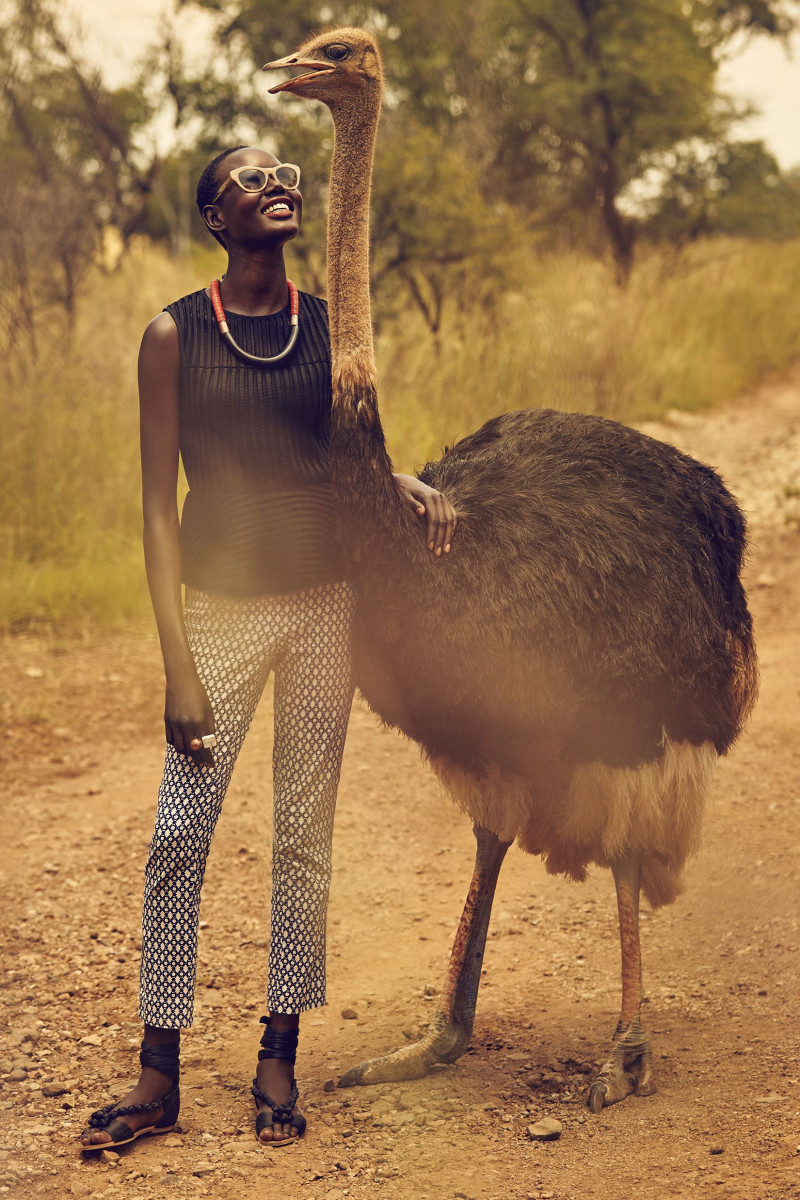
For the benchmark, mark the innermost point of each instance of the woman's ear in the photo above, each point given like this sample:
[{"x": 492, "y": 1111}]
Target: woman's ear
[{"x": 213, "y": 218}]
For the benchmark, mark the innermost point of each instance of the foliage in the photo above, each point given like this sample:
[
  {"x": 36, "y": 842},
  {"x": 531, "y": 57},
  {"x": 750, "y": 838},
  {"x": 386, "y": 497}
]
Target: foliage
[
  {"x": 566, "y": 104},
  {"x": 69, "y": 171},
  {"x": 736, "y": 189}
]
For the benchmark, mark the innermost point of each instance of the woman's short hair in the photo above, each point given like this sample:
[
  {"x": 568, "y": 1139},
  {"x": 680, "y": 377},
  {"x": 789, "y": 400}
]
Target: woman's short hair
[{"x": 208, "y": 184}]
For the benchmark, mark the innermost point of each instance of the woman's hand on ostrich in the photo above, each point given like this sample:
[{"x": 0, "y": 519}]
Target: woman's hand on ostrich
[
  {"x": 188, "y": 715},
  {"x": 432, "y": 506}
]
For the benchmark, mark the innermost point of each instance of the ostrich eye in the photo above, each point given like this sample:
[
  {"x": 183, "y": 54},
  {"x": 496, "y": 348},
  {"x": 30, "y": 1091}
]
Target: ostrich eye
[{"x": 337, "y": 51}]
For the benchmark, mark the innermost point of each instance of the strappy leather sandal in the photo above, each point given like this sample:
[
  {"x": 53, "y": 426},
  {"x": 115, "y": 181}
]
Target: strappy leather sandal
[
  {"x": 165, "y": 1059},
  {"x": 281, "y": 1046}
]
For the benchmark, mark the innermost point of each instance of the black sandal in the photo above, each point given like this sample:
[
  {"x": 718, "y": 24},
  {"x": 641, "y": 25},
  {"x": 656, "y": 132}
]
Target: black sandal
[
  {"x": 165, "y": 1059},
  {"x": 282, "y": 1046}
]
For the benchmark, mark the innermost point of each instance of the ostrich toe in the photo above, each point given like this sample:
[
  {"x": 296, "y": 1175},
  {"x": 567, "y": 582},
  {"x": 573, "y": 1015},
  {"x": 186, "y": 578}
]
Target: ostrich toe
[
  {"x": 409, "y": 1062},
  {"x": 628, "y": 1071},
  {"x": 444, "y": 1042}
]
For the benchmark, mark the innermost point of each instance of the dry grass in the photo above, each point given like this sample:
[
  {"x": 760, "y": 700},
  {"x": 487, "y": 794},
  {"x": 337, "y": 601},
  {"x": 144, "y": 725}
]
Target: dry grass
[{"x": 689, "y": 333}]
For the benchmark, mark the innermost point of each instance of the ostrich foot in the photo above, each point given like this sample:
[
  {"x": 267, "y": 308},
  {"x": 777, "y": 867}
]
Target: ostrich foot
[
  {"x": 443, "y": 1043},
  {"x": 629, "y": 1070}
]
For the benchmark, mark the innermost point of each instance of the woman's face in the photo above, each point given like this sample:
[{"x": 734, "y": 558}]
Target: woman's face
[{"x": 248, "y": 218}]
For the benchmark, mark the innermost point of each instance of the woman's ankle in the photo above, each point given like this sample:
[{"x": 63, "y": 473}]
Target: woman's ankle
[
  {"x": 152, "y": 1035},
  {"x": 284, "y": 1022}
]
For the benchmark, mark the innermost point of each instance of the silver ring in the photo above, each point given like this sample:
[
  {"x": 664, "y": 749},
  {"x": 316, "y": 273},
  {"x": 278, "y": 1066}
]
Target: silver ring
[{"x": 209, "y": 741}]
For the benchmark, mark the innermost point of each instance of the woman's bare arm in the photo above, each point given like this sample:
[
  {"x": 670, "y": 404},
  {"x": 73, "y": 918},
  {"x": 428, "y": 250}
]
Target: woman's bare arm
[{"x": 187, "y": 712}]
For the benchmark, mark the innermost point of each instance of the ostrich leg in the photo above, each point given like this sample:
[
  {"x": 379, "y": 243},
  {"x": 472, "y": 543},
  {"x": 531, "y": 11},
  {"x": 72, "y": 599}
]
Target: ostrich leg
[
  {"x": 629, "y": 1069},
  {"x": 451, "y": 1028}
]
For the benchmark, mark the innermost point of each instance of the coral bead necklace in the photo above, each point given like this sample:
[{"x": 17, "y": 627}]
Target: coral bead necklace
[{"x": 222, "y": 325}]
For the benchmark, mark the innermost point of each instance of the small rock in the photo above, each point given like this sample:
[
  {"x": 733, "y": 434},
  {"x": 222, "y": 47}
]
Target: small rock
[
  {"x": 37, "y": 1130},
  {"x": 716, "y": 1149},
  {"x": 349, "y": 1014},
  {"x": 766, "y": 580},
  {"x": 172, "y": 1142},
  {"x": 110, "y": 1157},
  {"x": 34, "y": 672},
  {"x": 200, "y": 1102},
  {"x": 55, "y": 1089},
  {"x": 91, "y": 1039},
  {"x": 546, "y": 1130},
  {"x": 329, "y": 1085},
  {"x": 17, "y": 1075}
]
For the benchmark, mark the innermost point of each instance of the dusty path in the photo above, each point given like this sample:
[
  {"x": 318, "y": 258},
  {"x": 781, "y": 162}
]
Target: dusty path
[{"x": 81, "y": 737}]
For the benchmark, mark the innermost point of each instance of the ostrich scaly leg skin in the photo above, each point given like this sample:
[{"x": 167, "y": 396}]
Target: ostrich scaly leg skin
[
  {"x": 450, "y": 1030},
  {"x": 629, "y": 1068}
]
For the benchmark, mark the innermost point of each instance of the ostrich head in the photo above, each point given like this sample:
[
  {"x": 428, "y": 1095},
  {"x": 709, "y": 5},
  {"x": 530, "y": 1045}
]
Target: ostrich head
[{"x": 334, "y": 67}]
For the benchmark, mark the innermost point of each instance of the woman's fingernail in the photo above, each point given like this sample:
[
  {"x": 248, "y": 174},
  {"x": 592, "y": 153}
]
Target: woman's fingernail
[
  {"x": 430, "y": 545},
  {"x": 447, "y": 548},
  {"x": 438, "y": 551}
]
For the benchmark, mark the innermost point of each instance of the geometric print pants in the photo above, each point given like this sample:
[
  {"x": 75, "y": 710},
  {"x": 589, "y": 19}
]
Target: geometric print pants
[{"x": 235, "y": 642}]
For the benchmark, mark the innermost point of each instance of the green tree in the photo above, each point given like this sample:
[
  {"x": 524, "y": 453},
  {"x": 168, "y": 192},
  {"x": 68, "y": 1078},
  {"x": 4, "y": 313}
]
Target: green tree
[
  {"x": 567, "y": 105},
  {"x": 736, "y": 189},
  {"x": 70, "y": 170}
]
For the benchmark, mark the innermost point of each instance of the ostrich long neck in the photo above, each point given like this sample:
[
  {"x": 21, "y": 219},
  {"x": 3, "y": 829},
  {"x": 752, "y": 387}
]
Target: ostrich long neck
[
  {"x": 348, "y": 239},
  {"x": 362, "y": 470}
]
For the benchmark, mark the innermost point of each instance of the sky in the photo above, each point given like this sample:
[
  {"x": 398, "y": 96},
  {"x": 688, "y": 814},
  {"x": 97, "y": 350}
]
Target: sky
[{"x": 117, "y": 32}]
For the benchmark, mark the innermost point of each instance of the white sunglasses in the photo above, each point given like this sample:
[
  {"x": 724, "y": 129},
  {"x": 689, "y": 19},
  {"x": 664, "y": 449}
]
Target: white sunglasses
[{"x": 255, "y": 179}]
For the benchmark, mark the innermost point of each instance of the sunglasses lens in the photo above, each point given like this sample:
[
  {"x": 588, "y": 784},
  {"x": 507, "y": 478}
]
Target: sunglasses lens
[
  {"x": 287, "y": 176},
  {"x": 253, "y": 179}
]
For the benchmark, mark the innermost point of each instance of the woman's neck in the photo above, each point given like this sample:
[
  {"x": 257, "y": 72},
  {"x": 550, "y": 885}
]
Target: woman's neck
[{"x": 254, "y": 282}]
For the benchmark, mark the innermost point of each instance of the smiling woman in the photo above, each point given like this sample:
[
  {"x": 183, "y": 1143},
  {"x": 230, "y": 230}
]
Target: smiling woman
[{"x": 236, "y": 381}]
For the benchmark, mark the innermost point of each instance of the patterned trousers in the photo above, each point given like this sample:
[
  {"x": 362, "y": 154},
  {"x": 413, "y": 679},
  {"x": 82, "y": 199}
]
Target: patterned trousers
[{"x": 305, "y": 639}]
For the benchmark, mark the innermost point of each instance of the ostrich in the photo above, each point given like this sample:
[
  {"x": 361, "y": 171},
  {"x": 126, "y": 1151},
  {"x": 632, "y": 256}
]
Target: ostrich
[{"x": 576, "y": 664}]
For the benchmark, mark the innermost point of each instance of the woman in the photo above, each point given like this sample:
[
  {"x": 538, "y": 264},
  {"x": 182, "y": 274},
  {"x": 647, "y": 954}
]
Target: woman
[{"x": 265, "y": 590}]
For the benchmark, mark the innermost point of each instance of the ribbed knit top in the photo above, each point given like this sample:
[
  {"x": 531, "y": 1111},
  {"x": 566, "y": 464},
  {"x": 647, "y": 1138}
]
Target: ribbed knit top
[{"x": 259, "y": 516}]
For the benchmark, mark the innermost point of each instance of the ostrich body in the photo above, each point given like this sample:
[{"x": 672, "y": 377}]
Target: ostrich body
[{"x": 575, "y": 666}]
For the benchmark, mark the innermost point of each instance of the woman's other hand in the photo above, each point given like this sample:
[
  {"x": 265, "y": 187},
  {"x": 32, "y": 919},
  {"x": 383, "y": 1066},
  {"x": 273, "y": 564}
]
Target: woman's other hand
[
  {"x": 434, "y": 508},
  {"x": 188, "y": 715}
]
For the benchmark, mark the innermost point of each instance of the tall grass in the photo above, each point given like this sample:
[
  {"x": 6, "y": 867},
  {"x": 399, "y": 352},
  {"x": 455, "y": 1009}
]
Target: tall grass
[
  {"x": 70, "y": 516},
  {"x": 688, "y": 333}
]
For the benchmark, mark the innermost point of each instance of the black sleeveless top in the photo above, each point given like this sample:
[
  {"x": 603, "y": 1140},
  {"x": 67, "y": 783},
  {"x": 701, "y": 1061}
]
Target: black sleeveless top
[{"x": 259, "y": 517}]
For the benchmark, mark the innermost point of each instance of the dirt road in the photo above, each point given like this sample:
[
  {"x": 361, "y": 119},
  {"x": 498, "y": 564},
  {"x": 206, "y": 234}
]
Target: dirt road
[{"x": 81, "y": 736}]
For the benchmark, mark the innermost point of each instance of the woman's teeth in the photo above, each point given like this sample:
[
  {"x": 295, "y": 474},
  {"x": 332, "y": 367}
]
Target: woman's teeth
[{"x": 279, "y": 207}]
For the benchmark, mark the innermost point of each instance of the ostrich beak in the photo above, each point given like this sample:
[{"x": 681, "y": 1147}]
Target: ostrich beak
[{"x": 308, "y": 66}]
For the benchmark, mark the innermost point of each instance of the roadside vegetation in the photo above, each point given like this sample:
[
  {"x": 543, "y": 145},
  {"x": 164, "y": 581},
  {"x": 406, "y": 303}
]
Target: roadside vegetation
[{"x": 688, "y": 332}]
